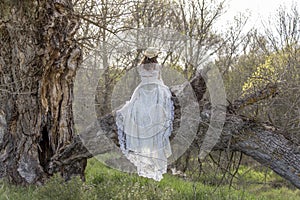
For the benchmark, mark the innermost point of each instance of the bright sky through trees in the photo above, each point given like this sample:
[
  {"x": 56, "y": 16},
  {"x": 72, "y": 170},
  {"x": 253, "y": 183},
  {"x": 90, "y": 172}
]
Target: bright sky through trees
[{"x": 259, "y": 10}]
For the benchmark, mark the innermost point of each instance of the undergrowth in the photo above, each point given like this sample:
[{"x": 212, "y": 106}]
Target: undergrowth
[{"x": 105, "y": 183}]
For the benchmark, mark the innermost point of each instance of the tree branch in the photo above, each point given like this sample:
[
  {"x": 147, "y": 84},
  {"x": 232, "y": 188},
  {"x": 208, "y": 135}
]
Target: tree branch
[{"x": 261, "y": 141}]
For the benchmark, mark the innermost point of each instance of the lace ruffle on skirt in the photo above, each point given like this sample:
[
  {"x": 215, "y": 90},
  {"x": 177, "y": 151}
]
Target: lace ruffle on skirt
[{"x": 144, "y": 126}]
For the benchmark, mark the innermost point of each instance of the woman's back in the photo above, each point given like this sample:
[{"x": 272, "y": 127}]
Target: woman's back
[
  {"x": 150, "y": 73},
  {"x": 145, "y": 122}
]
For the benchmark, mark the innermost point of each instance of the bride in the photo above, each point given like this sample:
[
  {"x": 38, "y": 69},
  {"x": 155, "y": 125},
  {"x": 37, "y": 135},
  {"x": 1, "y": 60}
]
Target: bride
[{"x": 145, "y": 122}]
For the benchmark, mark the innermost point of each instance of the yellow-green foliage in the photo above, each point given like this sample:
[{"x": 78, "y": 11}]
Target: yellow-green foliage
[{"x": 268, "y": 72}]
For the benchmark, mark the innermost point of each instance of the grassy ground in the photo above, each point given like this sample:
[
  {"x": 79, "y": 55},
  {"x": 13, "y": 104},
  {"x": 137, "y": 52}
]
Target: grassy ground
[{"x": 105, "y": 183}]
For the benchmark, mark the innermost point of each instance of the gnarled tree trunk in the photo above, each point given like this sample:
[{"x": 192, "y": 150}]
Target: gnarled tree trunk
[
  {"x": 261, "y": 141},
  {"x": 38, "y": 62}
]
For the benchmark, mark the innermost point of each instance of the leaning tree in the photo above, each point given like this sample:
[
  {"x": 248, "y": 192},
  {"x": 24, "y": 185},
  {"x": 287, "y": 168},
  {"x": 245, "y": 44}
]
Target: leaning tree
[{"x": 38, "y": 62}]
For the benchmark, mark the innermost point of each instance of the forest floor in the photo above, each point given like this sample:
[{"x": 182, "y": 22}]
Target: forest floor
[{"x": 105, "y": 183}]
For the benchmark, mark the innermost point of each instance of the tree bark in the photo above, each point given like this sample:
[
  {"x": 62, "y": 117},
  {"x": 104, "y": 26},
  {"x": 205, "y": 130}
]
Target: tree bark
[
  {"x": 38, "y": 62},
  {"x": 261, "y": 141}
]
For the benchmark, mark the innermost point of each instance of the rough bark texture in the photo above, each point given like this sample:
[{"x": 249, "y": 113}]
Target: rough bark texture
[
  {"x": 261, "y": 141},
  {"x": 38, "y": 62},
  {"x": 265, "y": 144},
  {"x": 272, "y": 150}
]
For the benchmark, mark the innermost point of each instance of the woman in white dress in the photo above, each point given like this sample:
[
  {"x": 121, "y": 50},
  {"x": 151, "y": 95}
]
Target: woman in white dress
[{"x": 145, "y": 122}]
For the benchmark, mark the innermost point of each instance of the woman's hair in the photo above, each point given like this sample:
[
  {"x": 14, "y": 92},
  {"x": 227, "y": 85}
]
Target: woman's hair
[{"x": 147, "y": 60}]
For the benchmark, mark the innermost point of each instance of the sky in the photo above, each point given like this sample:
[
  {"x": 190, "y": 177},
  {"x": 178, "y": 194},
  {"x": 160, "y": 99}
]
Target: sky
[{"x": 260, "y": 10}]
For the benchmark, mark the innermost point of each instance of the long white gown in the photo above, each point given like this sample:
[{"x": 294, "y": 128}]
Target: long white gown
[{"x": 145, "y": 124}]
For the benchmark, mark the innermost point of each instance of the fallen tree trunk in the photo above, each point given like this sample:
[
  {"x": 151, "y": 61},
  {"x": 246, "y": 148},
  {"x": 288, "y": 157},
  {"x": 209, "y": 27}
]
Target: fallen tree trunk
[
  {"x": 272, "y": 150},
  {"x": 261, "y": 141}
]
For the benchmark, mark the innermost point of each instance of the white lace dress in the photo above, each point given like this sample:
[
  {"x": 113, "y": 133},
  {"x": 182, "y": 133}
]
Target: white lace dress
[{"x": 145, "y": 124}]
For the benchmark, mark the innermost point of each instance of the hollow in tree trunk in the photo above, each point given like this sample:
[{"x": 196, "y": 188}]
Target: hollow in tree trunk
[{"x": 38, "y": 62}]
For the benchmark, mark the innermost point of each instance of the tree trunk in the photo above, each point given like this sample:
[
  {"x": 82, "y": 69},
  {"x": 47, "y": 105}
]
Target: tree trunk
[
  {"x": 38, "y": 62},
  {"x": 261, "y": 141},
  {"x": 272, "y": 150},
  {"x": 264, "y": 143}
]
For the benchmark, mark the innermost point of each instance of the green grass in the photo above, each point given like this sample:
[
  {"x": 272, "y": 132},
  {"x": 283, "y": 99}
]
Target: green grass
[{"x": 105, "y": 183}]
